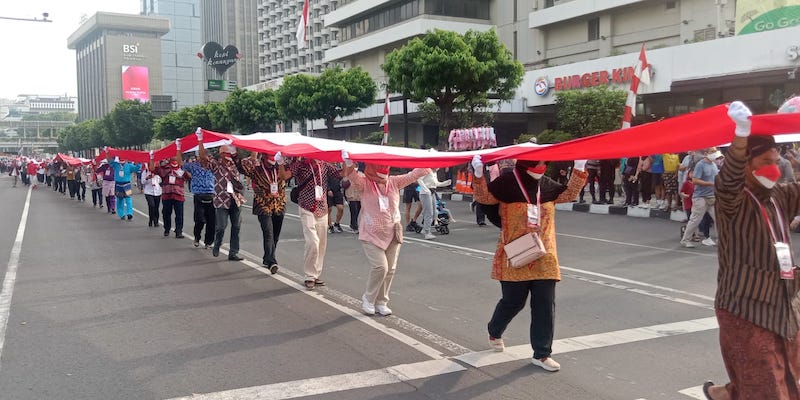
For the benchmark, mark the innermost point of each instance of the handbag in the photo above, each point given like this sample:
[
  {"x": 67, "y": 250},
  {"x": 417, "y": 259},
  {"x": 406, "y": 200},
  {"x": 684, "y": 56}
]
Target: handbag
[
  {"x": 529, "y": 247},
  {"x": 294, "y": 194}
]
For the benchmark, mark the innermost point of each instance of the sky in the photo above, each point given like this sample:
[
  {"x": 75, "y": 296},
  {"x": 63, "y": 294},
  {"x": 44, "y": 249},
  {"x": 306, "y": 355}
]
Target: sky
[{"x": 37, "y": 60}]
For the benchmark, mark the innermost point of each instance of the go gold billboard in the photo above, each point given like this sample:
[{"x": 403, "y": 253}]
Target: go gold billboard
[{"x": 753, "y": 16}]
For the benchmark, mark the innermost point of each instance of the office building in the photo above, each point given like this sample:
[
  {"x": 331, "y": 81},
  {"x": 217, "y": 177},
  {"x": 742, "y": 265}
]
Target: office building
[
  {"x": 182, "y": 70},
  {"x": 118, "y": 57}
]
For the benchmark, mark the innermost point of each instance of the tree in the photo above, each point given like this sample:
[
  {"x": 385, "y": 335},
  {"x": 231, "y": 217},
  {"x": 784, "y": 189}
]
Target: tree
[
  {"x": 453, "y": 71},
  {"x": 589, "y": 112},
  {"x": 129, "y": 124},
  {"x": 252, "y": 111},
  {"x": 211, "y": 116},
  {"x": 174, "y": 125},
  {"x": 339, "y": 93},
  {"x": 85, "y": 135},
  {"x": 52, "y": 116},
  {"x": 294, "y": 97}
]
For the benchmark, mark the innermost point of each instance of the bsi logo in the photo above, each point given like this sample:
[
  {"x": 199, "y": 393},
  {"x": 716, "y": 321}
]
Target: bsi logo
[{"x": 130, "y": 48}]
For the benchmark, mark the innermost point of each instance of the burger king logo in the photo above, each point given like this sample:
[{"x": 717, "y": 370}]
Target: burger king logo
[{"x": 541, "y": 87}]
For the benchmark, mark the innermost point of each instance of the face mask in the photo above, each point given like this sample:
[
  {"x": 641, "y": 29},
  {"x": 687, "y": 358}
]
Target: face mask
[
  {"x": 768, "y": 175},
  {"x": 226, "y": 155},
  {"x": 173, "y": 164},
  {"x": 382, "y": 173},
  {"x": 537, "y": 172},
  {"x": 270, "y": 160}
]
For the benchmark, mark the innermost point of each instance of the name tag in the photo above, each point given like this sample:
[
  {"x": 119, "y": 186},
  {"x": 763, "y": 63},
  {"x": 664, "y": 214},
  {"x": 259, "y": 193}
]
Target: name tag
[
  {"x": 108, "y": 172},
  {"x": 121, "y": 174},
  {"x": 383, "y": 202},
  {"x": 273, "y": 188},
  {"x": 318, "y": 192},
  {"x": 784, "y": 254},
  {"x": 229, "y": 187},
  {"x": 171, "y": 180},
  {"x": 533, "y": 216}
]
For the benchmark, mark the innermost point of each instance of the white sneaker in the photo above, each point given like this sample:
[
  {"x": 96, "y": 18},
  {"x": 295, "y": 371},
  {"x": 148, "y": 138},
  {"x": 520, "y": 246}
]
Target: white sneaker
[
  {"x": 547, "y": 363},
  {"x": 708, "y": 242},
  {"x": 382, "y": 309},
  {"x": 430, "y": 236},
  {"x": 497, "y": 344},
  {"x": 368, "y": 307},
  {"x": 688, "y": 244}
]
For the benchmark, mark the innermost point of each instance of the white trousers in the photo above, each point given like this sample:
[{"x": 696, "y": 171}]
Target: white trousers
[{"x": 315, "y": 233}]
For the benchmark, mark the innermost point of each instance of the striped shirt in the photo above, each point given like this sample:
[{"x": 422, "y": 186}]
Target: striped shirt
[{"x": 749, "y": 285}]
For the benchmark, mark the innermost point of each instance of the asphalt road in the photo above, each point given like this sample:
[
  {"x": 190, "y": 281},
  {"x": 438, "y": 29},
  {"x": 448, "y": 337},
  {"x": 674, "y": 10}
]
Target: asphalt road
[{"x": 106, "y": 309}]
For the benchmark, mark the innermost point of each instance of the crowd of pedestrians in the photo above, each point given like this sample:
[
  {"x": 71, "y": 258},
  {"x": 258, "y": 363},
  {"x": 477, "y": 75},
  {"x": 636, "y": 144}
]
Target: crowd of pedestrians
[{"x": 737, "y": 190}]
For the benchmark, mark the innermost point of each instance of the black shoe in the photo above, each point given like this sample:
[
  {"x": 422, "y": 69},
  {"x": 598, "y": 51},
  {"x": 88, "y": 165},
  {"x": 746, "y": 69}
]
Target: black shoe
[
  {"x": 166, "y": 233},
  {"x": 149, "y": 223},
  {"x": 330, "y": 229},
  {"x": 178, "y": 236},
  {"x": 215, "y": 251},
  {"x": 319, "y": 282},
  {"x": 338, "y": 228},
  {"x": 707, "y": 385},
  {"x": 196, "y": 243},
  {"x": 273, "y": 269},
  {"x": 130, "y": 217},
  {"x": 235, "y": 257}
]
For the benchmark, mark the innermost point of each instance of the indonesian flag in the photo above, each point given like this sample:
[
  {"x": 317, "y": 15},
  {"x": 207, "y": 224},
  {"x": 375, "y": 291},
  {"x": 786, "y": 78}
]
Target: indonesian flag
[
  {"x": 385, "y": 121},
  {"x": 301, "y": 27},
  {"x": 641, "y": 73}
]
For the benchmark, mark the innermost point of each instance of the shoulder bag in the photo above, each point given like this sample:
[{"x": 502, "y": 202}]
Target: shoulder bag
[{"x": 529, "y": 247}]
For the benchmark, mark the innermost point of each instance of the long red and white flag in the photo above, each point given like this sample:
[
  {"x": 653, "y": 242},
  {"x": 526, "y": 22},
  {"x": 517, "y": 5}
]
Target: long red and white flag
[
  {"x": 302, "y": 23},
  {"x": 385, "y": 121},
  {"x": 641, "y": 74}
]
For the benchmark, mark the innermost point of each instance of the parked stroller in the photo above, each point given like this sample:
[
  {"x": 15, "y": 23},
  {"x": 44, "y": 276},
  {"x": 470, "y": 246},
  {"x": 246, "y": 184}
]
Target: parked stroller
[{"x": 443, "y": 218}]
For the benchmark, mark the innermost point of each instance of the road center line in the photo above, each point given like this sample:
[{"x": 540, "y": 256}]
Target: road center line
[{"x": 11, "y": 273}]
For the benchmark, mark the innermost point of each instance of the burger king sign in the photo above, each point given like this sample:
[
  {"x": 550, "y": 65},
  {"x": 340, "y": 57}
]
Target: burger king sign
[{"x": 541, "y": 86}]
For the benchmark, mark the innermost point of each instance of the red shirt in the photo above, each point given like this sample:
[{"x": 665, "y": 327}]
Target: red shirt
[
  {"x": 32, "y": 167},
  {"x": 688, "y": 190}
]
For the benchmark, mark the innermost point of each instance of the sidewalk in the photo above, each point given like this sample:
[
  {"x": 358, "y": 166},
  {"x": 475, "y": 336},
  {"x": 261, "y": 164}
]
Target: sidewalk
[{"x": 608, "y": 209}]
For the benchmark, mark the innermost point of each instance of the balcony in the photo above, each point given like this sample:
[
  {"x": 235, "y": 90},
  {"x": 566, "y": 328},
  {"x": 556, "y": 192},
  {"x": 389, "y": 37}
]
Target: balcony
[
  {"x": 352, "y": 10},
  {"x": 572, "y": 10}
]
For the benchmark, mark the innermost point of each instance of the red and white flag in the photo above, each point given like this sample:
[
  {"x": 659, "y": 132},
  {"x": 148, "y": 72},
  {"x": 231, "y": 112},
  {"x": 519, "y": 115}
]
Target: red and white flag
[
  {"x": 385, "y": 121},
  {"x": 641, "y": 74},
  {"x": 301, "y": 27}
]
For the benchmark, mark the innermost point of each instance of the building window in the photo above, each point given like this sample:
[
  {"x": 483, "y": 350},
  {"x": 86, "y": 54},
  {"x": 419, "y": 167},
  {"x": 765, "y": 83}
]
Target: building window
[
  {"x": 671, "y": 5},
  {"x": 701, "y": 35},
  {"x": 549, "y": 3},
  {"x": 515, "y": 45},
  {"x": 594, "y": 29}
]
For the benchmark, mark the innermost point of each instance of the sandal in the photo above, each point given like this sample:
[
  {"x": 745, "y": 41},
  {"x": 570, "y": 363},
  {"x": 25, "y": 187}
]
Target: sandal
[
  {"x": 309, "y": 285},
  {"x": 319, "y": 282},
  {"x": 707, "y": 385}
]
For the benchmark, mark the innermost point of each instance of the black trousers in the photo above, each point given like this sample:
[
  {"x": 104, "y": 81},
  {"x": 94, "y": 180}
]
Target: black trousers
[
  {"x": 593, "y": 174},
  {"x": 204, "y": 216},
  {"x": 270, "y": 231},
  {"x": 631, "y": 191},
  {"x": 607, "y": 186},
  {"x": 97, "y": 196},
  {"x": 543, "y": 308},
  {"x": 355, "y": 209},
  {"x": 646, "y": 185},
  {"x": 153, "y": 204},
  {"x": 73, "y": 188},
  {"x": 80, "y": 190}
]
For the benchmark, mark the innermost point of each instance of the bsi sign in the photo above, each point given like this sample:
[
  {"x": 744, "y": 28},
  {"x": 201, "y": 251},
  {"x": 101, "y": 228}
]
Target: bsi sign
[{"x": 130, "y": 48}]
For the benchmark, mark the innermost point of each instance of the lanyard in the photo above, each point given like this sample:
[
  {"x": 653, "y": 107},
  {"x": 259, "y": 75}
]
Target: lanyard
[
  {"x": 525, "y": 192},
  {"x": 764, "y": 214},
  {"x": 375, "y": 185},
  {"x": 315, "y": 176},
  {"x": 271, "y": 178}
]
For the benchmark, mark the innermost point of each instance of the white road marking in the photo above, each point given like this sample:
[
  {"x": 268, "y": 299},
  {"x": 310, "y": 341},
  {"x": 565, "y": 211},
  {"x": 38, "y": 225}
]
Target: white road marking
[
  {"x": 11, "y": 273},
  {"x": 695, "y": 392},
  {"x": 694, "y": 253},
  {"x": 370, "y": 321},
  {"x": 581, "y": 271},
  {"x": 335, "y": 383},
  {"x": 614, "y": 338}
]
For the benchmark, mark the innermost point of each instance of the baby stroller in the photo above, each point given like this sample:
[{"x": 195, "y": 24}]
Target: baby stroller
[{"x": 443, "y": 217}]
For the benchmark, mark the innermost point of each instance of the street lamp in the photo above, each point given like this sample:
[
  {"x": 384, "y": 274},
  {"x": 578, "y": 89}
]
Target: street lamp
[{"x": 34, "y": 19}]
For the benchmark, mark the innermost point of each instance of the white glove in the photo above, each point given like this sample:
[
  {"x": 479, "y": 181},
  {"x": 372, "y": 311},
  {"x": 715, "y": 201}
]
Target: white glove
[
  {"x": 151, "y": 154},
  {"x": 477, "y": 166},
  {"x": 199, "y": 134},
  {"x": 346, "y": 158},
  {"x": 116, "y": 159},
  {"x": 178, "y": 144},
  {"x": 279, "y": 158},
  {"x": 105, "y": 149},
  {"x": 580, "y": 165},
  {"x": 795, "y": 222},
  {"x": 740, "y": 114}
]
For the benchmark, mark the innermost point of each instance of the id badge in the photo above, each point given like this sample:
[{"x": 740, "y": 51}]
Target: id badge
[
  {"x": 784, "y": 254},
  {"x": 383, "y": 202},
  {"x": 99, "y": 177},
  {"x": 171, "y": 180},
  {"x": 229, "y": 187},
  {"x": 273, "y": 188},
  {"x": 318, "y": 192},
  {"x": 533, "y": 216},
  {"x": 121, "y": 174},
  {"x": 108, "y": 172}
]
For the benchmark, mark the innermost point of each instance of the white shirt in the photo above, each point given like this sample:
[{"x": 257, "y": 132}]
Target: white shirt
[{"x": 152, "y": 184}]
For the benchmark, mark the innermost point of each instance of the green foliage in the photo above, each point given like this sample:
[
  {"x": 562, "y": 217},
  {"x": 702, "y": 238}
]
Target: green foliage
[
  {"x": 589, "y": 112},
  {"x": 53, "y": 116},
  {"x": 85, "y": 135},
  {"x": 453, "y": 71},
  {"x": 339, "y": 93},
  {"x": 212, "y": 116},
  {"x": 294, "y": 97},
  {"x": 129, "y": 124},
  {"x": 548, "y": 136},
  {"x": 252, "y": 111},
  {"x": 174, "y": 125}
]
